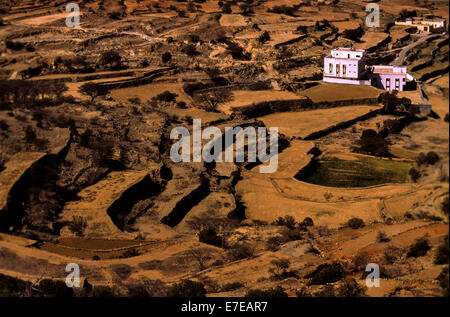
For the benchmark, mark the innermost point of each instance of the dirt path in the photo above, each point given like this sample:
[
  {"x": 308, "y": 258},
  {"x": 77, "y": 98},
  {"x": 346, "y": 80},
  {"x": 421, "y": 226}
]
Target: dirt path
[{"x": 401, "y": 57}]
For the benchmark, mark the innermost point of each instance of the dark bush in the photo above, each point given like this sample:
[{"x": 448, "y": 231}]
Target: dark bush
[
  {"x": 232, "y": 286},
  {"x": 327, "y": 273},
  {"x": 187, "y": 288},
  {"x": 11, "y": 286},
  {"x": 241, "y": 251},
  {"x": 442, "y": 252},
  {"x": 130, "y": 253},
  {"x": 414, "y": 174},
  {"x": 355, "y": 223},
  {"x": 445, "y": 205},
  {"x": 209, "y": 236},
  {"x": 382, "y": 237},
  {"x": 167, "y": 96},
  {"x": 51, "y": 288},
  {"x": 264, "y": 37},
  {"x": 419, "y": 248},
  {"x": 271, "y": 292},
  {"x": 166, "y": 57},
  {"x": 443, "y": 279},
  {"x": 351, "y": 288},
  {"x": 101, "y": 291},
  {"x": 307, "y": 222},
  {"x": 287, "y": 221}
]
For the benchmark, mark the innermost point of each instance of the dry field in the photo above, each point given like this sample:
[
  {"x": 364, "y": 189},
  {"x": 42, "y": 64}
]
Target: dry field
[
  {"x": 88, "y": 176},
  {"x": 335, "y": 92},
  {"x": 303, "y": 124}
]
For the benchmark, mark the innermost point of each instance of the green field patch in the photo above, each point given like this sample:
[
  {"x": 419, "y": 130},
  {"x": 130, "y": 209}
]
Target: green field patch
[{"x": 363, "y": 172}]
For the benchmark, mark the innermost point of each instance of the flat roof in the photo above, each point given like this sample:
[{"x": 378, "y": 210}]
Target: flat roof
[
  {"x": 386, "y": 70},
  {"x": 347, "y": 59},
  {"x": 348, "y": 49}
]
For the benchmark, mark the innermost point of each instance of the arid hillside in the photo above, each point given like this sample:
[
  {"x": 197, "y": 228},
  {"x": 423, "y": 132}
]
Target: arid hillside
[{"x": 87, "y": 175}]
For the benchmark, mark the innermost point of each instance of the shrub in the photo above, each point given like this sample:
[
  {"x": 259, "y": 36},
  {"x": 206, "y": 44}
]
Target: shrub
[
  {"x": 327, "y": 291},
  {"x": 280, "y": 269},
  {"x": 241, "y": 251},
  {"x": 4, "y": 126},
  {"x": 209, "y": 236},
  {"x": 391, "y": 254},
  {"x": 187, "y": 288},
  {"x": 355, "y": 223},
  {"x": 287, "y": 221},
  {"x": 51, "y": 288},
  {"x": 11, "y": 286},
  {"x": 414, "y": 174},
  {"x": 443, "y": 279},
  {"x": 77, "y": 225},
  {"x": 442, "y": 252},
  {"x": 166, "y": 57},
  {"x": 115, "y": 15},
  {"x": 373, "y": 143},
  {"x": 271, "y": 292},
  {"x": 430, "y": 158},
  {"x": 93, "y": 90},
  {"x": 273, "y": 243},
  {"x": 111, "y": 58},
  {"x": 360, "y": 260},
  {"x": 307, "y": 222},
  {"x": 211, "y": 99},
  {"x": 181, "y": 105},
  {"x": 445, "y": 205},
  {"x": 101, "y": 291},
  {"x": 264, "y": 37},
  {"x": 167, "y": 96},
  {"x": 419, "y": 248},
  {"x": 350, "y": 288},
  {"x": 327, "y": 273},
  {"x": 382, "y": 237},
  {"x": 232, "y": 286},
  {"x": 130, "y": 253}
]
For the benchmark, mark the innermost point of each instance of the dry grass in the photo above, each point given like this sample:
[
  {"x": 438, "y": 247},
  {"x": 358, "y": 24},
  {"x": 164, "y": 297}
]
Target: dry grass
[
  {"x": 302, "y": 124},
  {"x": 336, "y": 92}
]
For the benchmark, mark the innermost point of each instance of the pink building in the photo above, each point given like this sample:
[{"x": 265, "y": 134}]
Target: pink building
[
  {"x": 388, "y": 77},
  {"x": 348, "y": 66}
]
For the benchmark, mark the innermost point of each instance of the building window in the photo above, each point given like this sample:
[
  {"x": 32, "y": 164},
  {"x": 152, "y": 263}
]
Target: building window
[
  {"x": 344, "y": 69},
  {"x": 388, "y": 83},
  {"x": 338, "y": 70},
  {"x": 330, "y": 68},
  {"x": 397, "y": 83}
]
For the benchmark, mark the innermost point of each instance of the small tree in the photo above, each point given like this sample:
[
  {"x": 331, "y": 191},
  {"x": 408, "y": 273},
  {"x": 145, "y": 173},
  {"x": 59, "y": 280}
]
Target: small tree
[
  {"x": 382, "y": 237},
  {"x": 111, "y": 58},
  {"x": 264, "y": 37},
  {"x": 166, "y": 57},
  {"x": 355, "y": 223},
  {"x": 351, "y": 288},
  {"x": 280, "y": 268},
  {"x": 419, "y": 248},
  {"x": 77, "y": 225},
  {"x": 93, "y": 90},
  {"x": 211, "y": 99},
  {"x": 442, "y": 252}
]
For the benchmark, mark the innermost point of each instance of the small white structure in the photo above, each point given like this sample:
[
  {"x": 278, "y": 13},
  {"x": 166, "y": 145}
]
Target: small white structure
[{"x": 434, "y": 25}]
